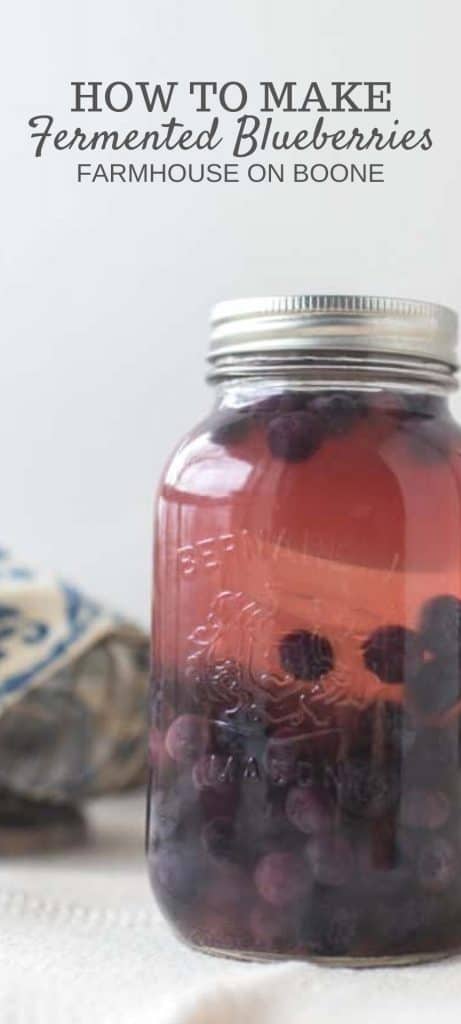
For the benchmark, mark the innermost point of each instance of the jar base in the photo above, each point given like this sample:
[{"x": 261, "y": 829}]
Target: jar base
[{"x": 397, "y": 960}]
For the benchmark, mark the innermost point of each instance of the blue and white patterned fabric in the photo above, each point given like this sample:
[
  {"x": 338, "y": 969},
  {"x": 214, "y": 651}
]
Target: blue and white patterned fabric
[{"x": 73, "y": 685}]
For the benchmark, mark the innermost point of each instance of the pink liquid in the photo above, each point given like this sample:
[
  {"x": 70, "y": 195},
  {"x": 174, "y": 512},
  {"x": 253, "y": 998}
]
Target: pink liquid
[{"x": 305, "y": 770}]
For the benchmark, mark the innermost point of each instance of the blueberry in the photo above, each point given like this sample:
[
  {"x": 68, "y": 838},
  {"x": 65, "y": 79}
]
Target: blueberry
[
  {"x": 306, "y": 655},
  {"x": 176, "y": 873},
  {"x": 339, "y": 410},
  {"x": 308, "y": 810},
  {"x": 330, "y": 858},
  {"x": 282, "y": 878},
  {"x": 294, "y": 436},
  {"x": 271, "y": 929},
  {"x": 389, "y": 404},
  {"x": 419, "y": 406},
  {"x": 339, "y": 932},
  {"x": 429, "y": 441},
  {"x": 432, "y": 760},
  {"x": 365, "y": 790},
  {"x": 218, "y": 838},
  {"x": 186, "y": 738},
  {"x": 438, "y": 864},
  {"x": 228, "y": 886},
  {"x": 230, "y": 426},
  {"x": 170, "y": 809},
  {"x": 409, "y": 843},
  {"x": 281, "y": 402},
  {"x": 441, "y": 626},
  {"x": 241, "y": 735},
  {"x": 280, "y": 761},
  {"x": 400, "y": 918},
  {"x": 382, "y": 870},
  {"x": 391, "y": 652},
  {"x": 173, "y": 809},
  {"x": 214, "y": 779},
  {"x": 225, "y": 883},
  {"x": 262, "y": 825},
  {"x": 435, "y": 688},
  {"x": 229, "y": 742},
  {"x": 247, "y": 719},
  {"x": 424, "y": 808},
  {"x": 331, "y": 928}
]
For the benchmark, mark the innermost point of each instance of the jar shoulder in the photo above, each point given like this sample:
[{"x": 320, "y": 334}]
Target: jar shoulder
[{"x": 260, "y": 450}]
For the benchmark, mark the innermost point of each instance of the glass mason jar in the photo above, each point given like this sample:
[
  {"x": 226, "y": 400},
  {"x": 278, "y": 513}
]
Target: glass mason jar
[{"x": 305, "y": 737}]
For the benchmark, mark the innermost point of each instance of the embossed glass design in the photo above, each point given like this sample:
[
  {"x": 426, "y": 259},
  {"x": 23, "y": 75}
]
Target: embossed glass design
[{"x": 305, "y": 735}]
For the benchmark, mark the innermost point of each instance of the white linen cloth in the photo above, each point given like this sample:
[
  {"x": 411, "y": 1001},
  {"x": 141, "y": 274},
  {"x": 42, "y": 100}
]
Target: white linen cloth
[{"x": 82, "y": 942}]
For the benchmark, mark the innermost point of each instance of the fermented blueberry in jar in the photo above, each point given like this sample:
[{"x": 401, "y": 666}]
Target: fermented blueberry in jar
[{"x": 306, "y": 702}]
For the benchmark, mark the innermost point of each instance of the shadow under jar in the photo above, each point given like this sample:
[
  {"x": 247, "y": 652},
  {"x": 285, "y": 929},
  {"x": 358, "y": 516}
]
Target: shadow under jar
[{"x": 305, "y": 732}]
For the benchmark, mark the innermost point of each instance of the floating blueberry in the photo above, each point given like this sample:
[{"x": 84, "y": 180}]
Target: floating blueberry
[
  {"x": 438, "y": 865},
  {"x": 429, "y": 440},
  {"x": 339, "y": 410},
  {"x": 424, "y": 808},
  {"x": 436, "y": 687},
  {"x": 306, "y": 655},
  {"x": 282, "y": 878},
  {"x": 281, "y": 402},
  {"x": 441, "y": 626},
  {"x": 230, "y": 426},
  {"x": 294, "y": 436},
  {"x": 365, "y": 790},
  {"x": 330, "y": 858},
  {"x": 392, "y": 652},
  {"x": 186, "y": 738},
  {"x": 308, "y": 809},
  {"x": 416, "y": 406}
]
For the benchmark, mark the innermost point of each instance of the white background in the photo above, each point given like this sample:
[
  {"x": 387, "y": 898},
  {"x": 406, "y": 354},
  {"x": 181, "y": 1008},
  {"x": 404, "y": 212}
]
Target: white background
[{"x": 106, "y": 288}]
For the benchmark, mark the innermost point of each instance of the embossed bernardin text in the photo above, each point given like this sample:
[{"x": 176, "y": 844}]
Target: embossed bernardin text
[
  {"x": 206, "y": 554},
  {"x": 209, "y": 554}
]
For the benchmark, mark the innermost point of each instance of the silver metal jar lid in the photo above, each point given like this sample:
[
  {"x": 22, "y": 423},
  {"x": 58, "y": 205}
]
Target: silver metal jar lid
[{"x": 280, "y": 330}]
